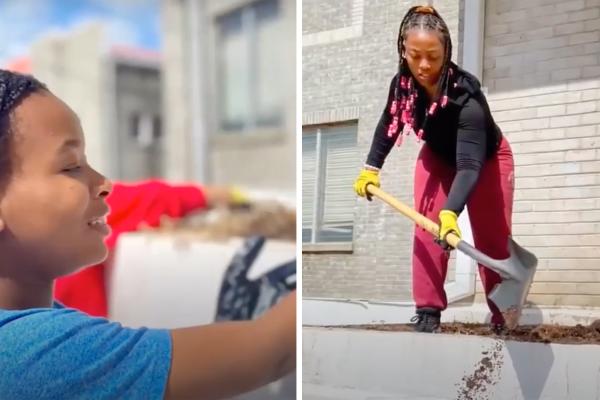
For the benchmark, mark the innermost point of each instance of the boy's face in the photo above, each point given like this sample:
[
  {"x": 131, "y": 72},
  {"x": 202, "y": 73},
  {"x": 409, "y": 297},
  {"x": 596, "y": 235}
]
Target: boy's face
[{"x": 53, "y": 209}]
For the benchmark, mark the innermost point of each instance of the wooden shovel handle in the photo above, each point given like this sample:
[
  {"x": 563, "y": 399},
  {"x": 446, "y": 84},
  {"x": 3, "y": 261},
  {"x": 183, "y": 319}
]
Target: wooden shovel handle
[{"x": 419, "y": 219}]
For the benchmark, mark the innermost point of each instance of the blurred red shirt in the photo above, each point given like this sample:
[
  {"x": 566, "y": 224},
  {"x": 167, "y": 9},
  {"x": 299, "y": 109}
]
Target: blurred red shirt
[{"x": 131, "y": 205}]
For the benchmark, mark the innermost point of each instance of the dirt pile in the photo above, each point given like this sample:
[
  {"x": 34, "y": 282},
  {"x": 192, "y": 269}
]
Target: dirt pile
[
  {"x": 270, "y": 219},
  {"x": 577, "y": 334}
]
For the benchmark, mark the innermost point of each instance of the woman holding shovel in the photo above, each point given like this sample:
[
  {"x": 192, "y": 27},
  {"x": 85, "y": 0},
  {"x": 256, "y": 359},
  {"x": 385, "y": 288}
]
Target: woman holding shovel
[{"x": 465, "y": 160}]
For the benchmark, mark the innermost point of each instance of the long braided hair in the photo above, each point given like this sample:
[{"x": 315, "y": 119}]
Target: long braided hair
[{"x": 403, "y": 107}]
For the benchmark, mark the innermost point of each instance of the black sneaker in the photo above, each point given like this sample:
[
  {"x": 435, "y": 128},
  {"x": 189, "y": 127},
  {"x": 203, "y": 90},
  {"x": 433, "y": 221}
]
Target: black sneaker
[{"x": 427, "y": 320}]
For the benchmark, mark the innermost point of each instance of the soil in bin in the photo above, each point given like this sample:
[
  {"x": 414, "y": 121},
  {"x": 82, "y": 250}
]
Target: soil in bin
[
  {"x": 269, "y": 218},
  {"x": 577, "y": 334}
]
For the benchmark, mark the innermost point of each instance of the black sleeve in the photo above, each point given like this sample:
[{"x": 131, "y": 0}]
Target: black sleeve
[
  {"x": 470, "y": 154},
  {"x": 382, "y": 144}
]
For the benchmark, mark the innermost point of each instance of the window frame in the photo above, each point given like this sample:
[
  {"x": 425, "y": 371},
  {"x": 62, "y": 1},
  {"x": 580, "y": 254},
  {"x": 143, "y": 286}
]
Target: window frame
[
  {"x": 319, "y": 190},
  {"x": 251, "y": 130}
]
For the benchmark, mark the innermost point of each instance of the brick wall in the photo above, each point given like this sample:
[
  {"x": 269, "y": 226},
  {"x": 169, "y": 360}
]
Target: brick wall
[
  {"x": 542, "y": 69},
  {"x": 319, "y": 16}
]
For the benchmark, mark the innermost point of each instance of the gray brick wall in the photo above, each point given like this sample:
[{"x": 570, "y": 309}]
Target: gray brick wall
[
  {"x": 318, "y": 16},
  {"x": 542, "y": 73},
  {"x": 542, "y": 69},
  {"x": 356, "y": 73}
]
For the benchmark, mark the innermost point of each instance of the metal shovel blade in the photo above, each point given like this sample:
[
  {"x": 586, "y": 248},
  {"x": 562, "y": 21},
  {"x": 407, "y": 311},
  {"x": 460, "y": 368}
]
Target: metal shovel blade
[{"x": 517, "y": 272}]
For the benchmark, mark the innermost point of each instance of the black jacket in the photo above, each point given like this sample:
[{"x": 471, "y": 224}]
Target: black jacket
[{"x": 463, "y": 134}]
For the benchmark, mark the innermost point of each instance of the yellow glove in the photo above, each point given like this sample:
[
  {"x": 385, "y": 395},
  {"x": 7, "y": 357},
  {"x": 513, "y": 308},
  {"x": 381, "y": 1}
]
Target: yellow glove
[
  {"x": 448, "y": 223},
  {"x": 237, "y": 197},
  {"x": 365, "y": 178}
]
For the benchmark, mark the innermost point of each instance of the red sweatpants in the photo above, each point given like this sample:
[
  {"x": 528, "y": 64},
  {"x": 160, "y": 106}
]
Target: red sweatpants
[{"x": 490, "y": 211}]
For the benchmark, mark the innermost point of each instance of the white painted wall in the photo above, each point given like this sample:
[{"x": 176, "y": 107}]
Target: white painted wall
[
  {"x": 359, "y": 364},
  {"x": 172, "y": 281}
]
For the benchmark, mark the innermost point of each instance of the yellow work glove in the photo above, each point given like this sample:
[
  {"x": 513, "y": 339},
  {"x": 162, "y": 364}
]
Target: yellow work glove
[
  {"x": 448, "y": 223},
  {"x": 366, "y": 177},
  {"x": 237, "y": 197}
]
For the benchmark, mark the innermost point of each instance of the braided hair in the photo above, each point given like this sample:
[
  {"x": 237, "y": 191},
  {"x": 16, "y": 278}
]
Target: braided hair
[
  {"x": 14, "y": 88},
  {"x": 405, "y": 94}
]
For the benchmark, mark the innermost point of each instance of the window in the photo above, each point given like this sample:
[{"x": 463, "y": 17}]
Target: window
[
  {"x": 329, "y": 162},
  {"x": 145, "y": 128},
  {"x": 249, "y": 65}
]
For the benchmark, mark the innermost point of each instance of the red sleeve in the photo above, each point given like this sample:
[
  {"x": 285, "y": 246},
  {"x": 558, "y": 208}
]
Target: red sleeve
[
  {"x": 130, "y": 205},
  {"x": 146, "y": 202}
]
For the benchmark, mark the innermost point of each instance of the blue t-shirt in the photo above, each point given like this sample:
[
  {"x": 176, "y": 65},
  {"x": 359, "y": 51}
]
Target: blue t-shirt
[{"x": 61, "y": 353}]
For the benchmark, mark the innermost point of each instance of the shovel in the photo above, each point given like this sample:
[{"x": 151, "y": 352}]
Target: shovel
[{"x": 516, "y": 271}]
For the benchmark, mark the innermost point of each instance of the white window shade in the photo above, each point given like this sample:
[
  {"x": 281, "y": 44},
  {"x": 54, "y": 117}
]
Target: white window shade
[
  {"x": 328, "y": 169},
  {"x": 235, "y": 81},
  {"x": 249, "y": 67},
  {"x": 339, "y": 147},
  {"x": 268, "y": 76}
]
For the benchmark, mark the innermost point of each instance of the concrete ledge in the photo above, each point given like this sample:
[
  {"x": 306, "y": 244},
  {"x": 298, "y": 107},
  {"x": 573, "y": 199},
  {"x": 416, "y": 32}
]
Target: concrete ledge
[
  {"x": 331, "y": 116},
  {"x": 330, "y": 312},
  {"x": 327, "y": 247},
  {"x": 358, "y": 364}
]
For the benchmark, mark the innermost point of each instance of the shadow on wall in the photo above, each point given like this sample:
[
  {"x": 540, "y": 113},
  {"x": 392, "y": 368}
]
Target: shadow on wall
[{"x": 531, "y": 380}]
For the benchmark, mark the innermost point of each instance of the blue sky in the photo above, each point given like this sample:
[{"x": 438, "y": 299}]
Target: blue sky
[{"x": 129, "y": 22}]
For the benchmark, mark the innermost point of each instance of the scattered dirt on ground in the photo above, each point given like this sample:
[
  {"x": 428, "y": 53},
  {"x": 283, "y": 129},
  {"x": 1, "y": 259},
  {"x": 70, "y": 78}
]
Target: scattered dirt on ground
[
  {"x": 486, "y": 373},
  {"x": 577, "y": 334},
  {"x": 511, "y": 316}
]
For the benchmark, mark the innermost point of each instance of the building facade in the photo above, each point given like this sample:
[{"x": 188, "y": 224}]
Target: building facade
[
  {"x": 230, "y": 91},
  {"x": 115, "y": 91}
]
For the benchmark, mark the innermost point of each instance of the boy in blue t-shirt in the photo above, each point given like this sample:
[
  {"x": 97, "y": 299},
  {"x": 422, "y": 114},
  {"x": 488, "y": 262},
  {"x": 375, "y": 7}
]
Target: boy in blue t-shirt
[
  {"x": 53, "y": 222},
  {"x": 62, "y": 353}
]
